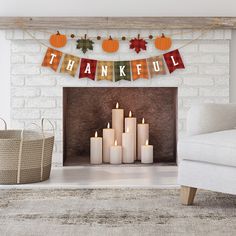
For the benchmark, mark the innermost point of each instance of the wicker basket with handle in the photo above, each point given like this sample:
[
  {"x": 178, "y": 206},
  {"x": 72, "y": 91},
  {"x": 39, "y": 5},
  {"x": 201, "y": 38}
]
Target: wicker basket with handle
[{"x": 25, "y": 155}]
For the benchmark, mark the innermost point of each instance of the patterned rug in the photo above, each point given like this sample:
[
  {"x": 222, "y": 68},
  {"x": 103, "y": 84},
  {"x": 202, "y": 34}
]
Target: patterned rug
[{"x": 114, "y": 212}]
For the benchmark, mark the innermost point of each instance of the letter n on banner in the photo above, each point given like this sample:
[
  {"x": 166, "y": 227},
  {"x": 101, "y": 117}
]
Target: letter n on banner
[
  {"x": 52, "y": 58},
  {"x": 173, "y": 60},
  {"x": 139, "y": 69},
  {"x": 156, "y": 66},
  {"x": 105, "y": 70},
  {"x": 122, "y": 70},
  {"x": 87, "y": 68},
  {"x": 70, "y": 64}
]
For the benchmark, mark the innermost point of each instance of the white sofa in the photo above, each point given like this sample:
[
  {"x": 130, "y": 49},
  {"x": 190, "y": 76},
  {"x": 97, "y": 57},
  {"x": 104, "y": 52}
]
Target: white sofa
[{"x": 207, "y": 156}]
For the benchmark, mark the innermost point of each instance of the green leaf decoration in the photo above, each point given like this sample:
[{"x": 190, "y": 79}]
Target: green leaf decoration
[{"x": 84, "y": 44}]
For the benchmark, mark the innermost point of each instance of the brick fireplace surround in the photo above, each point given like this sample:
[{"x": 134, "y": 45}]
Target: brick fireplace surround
[{"x": 37, "y": 91}]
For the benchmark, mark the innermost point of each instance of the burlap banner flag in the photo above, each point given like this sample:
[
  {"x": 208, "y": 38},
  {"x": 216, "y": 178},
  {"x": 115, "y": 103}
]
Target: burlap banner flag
[
  {"x": 122, "y": 70},
  {"x": 87, "y": 68},
  {"x": 173, "y": 60},
  {"x": 156, "y": 66},
  {"x": 52, "y": 58},
  {"x": 105, "y": 70},
  {"x": 70, "y": 64},
  {"x": 139, "y": 69}
]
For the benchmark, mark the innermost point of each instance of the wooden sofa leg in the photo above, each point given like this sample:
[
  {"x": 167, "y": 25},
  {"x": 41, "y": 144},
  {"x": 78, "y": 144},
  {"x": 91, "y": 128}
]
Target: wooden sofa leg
[{"x": 187, "y": 195}]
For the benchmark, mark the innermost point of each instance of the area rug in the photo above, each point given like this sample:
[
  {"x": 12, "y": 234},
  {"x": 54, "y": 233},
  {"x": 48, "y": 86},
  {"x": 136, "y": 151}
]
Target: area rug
[{"x": 114, "y": 212}]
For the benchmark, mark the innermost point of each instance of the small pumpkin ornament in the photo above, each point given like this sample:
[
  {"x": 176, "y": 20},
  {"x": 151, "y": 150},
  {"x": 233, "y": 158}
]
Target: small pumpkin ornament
[
  {"x": 110, "y": 45},
  {"x": 163, "y": 43},
  {"x": 58, "y": 40}
]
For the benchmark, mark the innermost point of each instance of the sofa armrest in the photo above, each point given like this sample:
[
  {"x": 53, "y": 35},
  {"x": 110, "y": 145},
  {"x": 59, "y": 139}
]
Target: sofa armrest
[{"x": 207, "y": 118}]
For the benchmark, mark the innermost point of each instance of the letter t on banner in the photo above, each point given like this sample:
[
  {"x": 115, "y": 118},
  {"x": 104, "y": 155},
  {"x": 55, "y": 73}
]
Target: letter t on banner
[
  {"x": 173, "y": 60},
  {"x": 52, "y": 58}
]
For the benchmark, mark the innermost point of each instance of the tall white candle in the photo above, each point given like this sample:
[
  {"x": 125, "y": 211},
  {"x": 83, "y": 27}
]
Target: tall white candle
[
  {"x": 118, "y": 123},
  {"x": 143, "y": 135},
  {"x": 96, "y": 149},
  {"x": 108, "y": 141},
  {"x": 128, "y": 147},
  {"x": 116, "y": 154},
  {"x": 131, "y": 124},
  {"x": 147, "y": 153}
]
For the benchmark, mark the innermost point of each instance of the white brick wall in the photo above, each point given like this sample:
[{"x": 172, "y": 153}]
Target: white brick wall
[{"x": 37, "y": 91}]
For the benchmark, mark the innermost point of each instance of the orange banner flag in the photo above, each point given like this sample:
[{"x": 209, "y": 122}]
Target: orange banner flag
[
  {"x": 52, "y": 58},
  {"x": 139, "y": 69}
]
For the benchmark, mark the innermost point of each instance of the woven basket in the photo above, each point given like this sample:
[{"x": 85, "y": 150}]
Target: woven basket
[{"x": 25, "y": 155}]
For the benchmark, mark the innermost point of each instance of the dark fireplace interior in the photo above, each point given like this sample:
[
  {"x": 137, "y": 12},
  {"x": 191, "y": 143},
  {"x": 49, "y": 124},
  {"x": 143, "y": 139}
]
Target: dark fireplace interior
[{"x": 86, "y": 110}]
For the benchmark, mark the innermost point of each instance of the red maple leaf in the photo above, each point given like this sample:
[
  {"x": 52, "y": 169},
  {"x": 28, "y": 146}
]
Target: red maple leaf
[{"x": 138, "y": 44}]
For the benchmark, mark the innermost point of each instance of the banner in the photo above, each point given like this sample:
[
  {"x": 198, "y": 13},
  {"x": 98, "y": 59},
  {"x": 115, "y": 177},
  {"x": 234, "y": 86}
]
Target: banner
[
  {"x": 105, "y": 70},
  {"x": 70, "y": 64},
  {"x": 156, "y": 66},
  {"x": 122, "y": 70},
  {"x": 173, "y": 60},
  {"x": 87, "y": 68},
  {"x": 114, "y": 70},
  {"x": 52, "y": 58},
  {"x": 139, "y": 69}
]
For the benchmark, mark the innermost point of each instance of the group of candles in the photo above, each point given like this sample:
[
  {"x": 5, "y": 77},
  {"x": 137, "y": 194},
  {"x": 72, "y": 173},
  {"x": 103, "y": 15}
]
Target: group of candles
[{"x": 117, "y": 146}]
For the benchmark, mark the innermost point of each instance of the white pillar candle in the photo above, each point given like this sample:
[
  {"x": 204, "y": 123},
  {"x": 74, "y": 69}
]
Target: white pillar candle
[
  {"x": 128, "y": 147},
  {"x": 96, "y": 149},
  {"x": 131, "y": 124},
  {"x": 118, "y": 123},
  {"x": 108, "y": 141},
  {"x": 147, "y": 153},
  {"x": 116, "y": 154},
  {"x": 143, "y": 135}
]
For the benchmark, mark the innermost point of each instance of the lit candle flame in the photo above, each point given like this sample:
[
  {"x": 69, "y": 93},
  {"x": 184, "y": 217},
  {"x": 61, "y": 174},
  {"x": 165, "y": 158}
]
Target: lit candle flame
[
  {"x": 96, "y": 134},
  {"x": 108, "y": 125},
  {"x": 146, "y": 142},
  {"x": 115, "y": 142},
  {"x": 117, "y": 105},
  {"x": 127, "y": 130},
  {"x": 130, "y": 113},
  {"x": 143, "y": 121}
]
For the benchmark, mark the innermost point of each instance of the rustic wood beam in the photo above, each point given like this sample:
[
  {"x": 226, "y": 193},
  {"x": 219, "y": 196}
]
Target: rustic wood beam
[{"x": 118, "y": 22}]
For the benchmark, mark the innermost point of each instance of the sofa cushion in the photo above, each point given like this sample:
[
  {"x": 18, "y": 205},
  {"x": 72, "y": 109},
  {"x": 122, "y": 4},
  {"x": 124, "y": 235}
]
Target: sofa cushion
[{"x": 218, "y": 148}]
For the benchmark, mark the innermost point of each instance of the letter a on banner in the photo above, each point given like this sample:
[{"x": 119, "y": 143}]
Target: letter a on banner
[
  {"x": 52, "y": 58},
  {"x": 173, "y": 60},
  {"x": 87, "y": 68},
  {"x": 70, "y": 64},
  {"x": 122, "y": 70},
  {"x": 105, "y": 70}
]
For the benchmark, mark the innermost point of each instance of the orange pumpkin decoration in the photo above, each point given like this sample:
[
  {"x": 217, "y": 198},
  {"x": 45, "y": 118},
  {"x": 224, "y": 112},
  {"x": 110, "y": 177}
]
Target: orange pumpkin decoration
[
  {"x": 58, "y": 40},
  {"x": 110, "y": 45},
  {"x": 163, "y": 42}
]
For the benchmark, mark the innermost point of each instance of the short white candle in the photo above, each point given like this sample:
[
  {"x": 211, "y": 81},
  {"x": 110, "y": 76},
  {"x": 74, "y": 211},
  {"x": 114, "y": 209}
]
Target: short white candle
[
  {"x": 143, "y": 135},
  {"x": 96, "y": 149},
  {"x": 108, "y": 141},
  {"x": 131, "y": 124},
  {"x": 147, "y": 153},
  {"x": 116, "y": 154},
  {"x": 128, "y": 147},
  {"x": 118, "y": 122}
]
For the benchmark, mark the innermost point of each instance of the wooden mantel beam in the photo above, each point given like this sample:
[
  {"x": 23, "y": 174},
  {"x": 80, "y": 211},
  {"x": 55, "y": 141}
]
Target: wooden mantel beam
[{"x": 118, "y": 22}]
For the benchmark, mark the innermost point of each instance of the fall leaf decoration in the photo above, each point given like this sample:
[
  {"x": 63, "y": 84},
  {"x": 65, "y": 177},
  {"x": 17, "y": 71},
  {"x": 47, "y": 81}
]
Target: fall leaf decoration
[
  {"x": 138, "y": 44},
  {"x": 84, "y": 44}
]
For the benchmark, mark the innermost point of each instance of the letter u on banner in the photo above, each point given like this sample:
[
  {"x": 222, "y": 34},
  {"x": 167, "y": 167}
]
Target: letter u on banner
[
  {"x": 139, "y": 69},
  {"x": 87, "y": 68},
  {"x": 105, "y": 70},
  {"x": 70, "y": 64},
  {"x": 52, "y": 58},
  {"x": 156, "y": 66}
]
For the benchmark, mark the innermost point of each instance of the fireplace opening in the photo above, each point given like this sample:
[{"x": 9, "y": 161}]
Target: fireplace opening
[{"x": 86, "y": 110}]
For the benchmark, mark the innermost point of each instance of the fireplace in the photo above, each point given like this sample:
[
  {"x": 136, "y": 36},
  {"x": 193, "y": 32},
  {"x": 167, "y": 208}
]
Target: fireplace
[{"x": 86, "y": 110}]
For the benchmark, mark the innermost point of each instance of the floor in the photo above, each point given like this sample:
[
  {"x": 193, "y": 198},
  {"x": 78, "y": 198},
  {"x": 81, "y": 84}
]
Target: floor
[{"x": 106, "y": 176}]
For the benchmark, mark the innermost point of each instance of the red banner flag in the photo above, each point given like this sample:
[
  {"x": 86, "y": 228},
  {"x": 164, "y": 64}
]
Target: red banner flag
[
  {"x": 87, "y": 68},
  {"x": 52, "y": 58},
  {"x": 173, "y": 60}
]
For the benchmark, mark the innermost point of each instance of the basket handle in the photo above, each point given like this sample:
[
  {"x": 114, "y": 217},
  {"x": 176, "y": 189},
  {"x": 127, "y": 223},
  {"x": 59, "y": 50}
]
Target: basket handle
[
  {"x": 42, "y": 125},
  {"x": 5, "y": 123}
]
